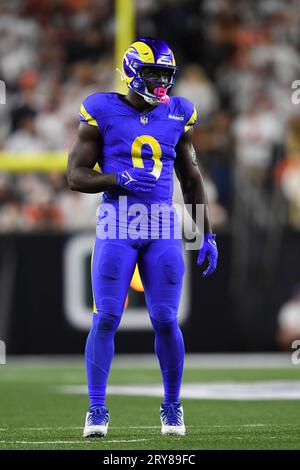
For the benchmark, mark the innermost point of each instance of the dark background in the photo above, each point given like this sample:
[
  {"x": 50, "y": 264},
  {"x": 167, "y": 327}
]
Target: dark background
[{"x": 219, "y": 320}]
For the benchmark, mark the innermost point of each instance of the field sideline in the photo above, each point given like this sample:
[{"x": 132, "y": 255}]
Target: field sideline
[{"x": 43, "y": 404}]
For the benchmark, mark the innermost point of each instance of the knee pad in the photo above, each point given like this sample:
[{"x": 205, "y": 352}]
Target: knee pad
[
  {"x": 171, "y": 266},
  {"x": 110, "y": 306},
  {"x": 169, "y": 274},
  {"x": 107, "y": 322},
  {"x": 111, "y": 261},
  {"x": 164, "y": 327},
  {"x": 163, "y": 313},
  {"x": 163, "y": 319},
  {"x": 108, "y": 275}
]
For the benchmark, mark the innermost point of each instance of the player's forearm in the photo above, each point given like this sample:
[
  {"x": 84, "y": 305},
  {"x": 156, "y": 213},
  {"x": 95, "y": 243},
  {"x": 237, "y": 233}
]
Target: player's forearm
[
  {"x": 86, "y": 180},
  {"x": 194, "y": 194}
]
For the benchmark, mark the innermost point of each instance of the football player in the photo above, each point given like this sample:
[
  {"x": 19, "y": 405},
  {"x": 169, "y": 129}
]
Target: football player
[{"x": 137, "y": 139}]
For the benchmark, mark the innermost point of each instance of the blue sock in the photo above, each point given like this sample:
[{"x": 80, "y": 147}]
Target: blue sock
[
  {"x": 99, "y": 353},
  {"x": 169, "y": 348}
]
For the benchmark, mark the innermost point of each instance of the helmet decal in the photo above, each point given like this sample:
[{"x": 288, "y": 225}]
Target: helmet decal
[{"x": 145, "y": 52}]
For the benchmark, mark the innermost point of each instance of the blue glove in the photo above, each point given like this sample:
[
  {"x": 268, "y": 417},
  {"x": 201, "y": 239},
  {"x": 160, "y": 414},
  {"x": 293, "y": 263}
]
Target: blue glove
[
  {"x": 209, "y": 248},
  {"x": 136, "y": 179}
]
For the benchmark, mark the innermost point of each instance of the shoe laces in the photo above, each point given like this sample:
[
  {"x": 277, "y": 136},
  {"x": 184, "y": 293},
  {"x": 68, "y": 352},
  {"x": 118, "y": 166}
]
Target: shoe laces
[
  {"x": 99, "y": 415},
  {"x": 171, "y": 412}
]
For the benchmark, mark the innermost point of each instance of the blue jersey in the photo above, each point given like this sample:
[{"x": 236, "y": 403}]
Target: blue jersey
[{"x": 134, "y": 139}]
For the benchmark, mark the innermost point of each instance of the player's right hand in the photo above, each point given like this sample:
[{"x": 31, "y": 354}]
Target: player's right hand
[{"x": 136, "y": 179}]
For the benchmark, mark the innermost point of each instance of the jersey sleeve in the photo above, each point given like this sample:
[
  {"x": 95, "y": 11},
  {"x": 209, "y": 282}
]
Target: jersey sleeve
[
  {"x": 190, "y": 115},
  {"x": 87, "y": 113}
]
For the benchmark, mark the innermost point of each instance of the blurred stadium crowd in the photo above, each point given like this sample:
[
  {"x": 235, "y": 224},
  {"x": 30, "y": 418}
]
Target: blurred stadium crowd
[{"x": 237, "y": 63}]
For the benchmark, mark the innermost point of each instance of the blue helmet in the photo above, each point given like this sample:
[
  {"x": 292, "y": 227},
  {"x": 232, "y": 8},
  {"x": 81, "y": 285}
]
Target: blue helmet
[{"x": 148, "y": 52}]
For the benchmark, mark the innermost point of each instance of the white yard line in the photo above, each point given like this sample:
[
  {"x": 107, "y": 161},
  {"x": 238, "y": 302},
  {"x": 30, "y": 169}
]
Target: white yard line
[
  {"x": 48, "y": 428},
  {"x": 112, "y": 441},
  {"x": 194, "y": 426},
  {"x": 62, "y": 428},
  {"x": 83, "y": 441}
]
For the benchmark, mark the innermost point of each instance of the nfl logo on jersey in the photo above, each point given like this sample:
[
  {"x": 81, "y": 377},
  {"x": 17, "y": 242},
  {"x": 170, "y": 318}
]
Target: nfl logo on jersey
[{"x": 144, "y": 120}]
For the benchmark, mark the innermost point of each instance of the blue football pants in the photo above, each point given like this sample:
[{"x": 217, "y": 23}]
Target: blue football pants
[{"x": 161, "y": 268}]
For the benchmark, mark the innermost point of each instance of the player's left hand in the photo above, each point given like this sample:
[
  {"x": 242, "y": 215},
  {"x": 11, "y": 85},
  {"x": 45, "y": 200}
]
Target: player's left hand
[{"x": 209, "y": 249}]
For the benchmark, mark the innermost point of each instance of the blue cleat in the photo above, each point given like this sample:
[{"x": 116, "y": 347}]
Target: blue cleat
[
  {"x": 96, "y": 422},
  {"x": 171, "y": 417}
]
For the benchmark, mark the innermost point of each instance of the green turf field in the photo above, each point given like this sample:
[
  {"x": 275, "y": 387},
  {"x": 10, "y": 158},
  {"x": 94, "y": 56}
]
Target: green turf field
[{"x": 35, "y": 414}]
